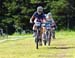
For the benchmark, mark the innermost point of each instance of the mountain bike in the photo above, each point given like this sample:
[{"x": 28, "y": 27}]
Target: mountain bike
[
  {"x": 38, "y": 36},
  {"x": 47, "y": 35}
]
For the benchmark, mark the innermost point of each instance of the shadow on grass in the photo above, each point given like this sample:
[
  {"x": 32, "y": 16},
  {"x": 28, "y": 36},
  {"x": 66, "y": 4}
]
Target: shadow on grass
[{"x": 61, "y": 47}]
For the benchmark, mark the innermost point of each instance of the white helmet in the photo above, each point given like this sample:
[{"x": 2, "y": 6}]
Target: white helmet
[
  {"x": 39, "y": 9},
  {"x": 49, "y": 14}
]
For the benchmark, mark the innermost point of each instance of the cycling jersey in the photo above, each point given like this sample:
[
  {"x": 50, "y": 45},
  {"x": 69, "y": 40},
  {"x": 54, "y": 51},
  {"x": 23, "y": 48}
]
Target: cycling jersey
[
  {"x": 38, "y": 18},
  {"x": 48, "y": 24}
]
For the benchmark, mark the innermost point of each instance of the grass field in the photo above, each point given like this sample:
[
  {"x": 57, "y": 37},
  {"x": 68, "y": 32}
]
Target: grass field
[{"x": 62, "y": 47}]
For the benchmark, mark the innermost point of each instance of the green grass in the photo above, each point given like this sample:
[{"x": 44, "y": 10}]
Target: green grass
[{"x": 62, "y": 47}]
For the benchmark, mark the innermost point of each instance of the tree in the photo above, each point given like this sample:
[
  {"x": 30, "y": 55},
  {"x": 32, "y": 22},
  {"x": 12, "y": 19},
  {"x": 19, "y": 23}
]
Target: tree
[{"x": 18, "y": 12}]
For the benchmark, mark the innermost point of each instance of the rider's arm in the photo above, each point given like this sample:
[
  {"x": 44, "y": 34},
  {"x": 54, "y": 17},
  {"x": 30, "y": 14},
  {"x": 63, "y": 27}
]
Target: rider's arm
[
  {"x": 33, "y": 17},
  {"x": 53, "y": 23}
]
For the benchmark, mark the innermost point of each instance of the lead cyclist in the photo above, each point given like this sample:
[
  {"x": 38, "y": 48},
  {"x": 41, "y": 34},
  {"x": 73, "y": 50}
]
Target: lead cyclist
[{"x": 38, "y": 16}]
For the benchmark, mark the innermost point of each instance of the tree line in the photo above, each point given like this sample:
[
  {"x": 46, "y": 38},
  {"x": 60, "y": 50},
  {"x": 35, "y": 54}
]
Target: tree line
[{"x": 15, "y": 14}]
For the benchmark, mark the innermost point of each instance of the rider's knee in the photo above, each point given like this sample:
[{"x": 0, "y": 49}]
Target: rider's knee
[
  {"x": 34, "y": 27},
  {"x": 44, "y": 29}
]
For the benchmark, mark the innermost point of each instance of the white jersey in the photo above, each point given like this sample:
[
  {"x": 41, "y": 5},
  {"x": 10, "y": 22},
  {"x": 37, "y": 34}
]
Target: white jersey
[
  {"x": 51, "y": 19},
  {"x": 50, "y": 22}
]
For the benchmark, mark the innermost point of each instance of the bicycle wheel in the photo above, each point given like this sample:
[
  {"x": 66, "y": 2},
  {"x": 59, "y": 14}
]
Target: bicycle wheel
[
  {"x": 37, "y": 38},
  {"x": 45, "y": 39},
  {"x": 45, "y": 42},
  {"x": 36, "y": 43},
  {"x": 49, "y": 37}
]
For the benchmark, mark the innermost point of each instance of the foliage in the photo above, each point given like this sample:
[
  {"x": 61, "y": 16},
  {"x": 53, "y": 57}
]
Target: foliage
[{"x": 18, "y": 12}]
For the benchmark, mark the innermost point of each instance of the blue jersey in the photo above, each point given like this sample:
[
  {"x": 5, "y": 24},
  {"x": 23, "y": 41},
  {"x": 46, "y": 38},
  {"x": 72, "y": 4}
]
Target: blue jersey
[{"x": 39, "y": 17}]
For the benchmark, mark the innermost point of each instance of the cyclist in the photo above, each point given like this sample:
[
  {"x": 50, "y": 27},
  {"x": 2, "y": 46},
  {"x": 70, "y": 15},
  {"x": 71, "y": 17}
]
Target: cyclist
[
  {"x": 52, "y": 23},
  {"x": 38, "y": 16}
]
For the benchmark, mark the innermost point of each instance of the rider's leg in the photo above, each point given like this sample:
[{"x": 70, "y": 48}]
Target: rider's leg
[
  {"x": 34, "y": 30},
  {"x": 53, "y": 33},
  {"x": 43, "y": 33},
  {"x": 40, "y": 40}
]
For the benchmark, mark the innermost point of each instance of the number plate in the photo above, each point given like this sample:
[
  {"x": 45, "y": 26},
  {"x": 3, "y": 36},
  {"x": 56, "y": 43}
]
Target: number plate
[
  {"x": 37, "y": 24},
  {"x": 48, "y": 27}
]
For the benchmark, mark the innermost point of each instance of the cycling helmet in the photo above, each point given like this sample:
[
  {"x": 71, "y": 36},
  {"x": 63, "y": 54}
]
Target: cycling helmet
[
  {"x": 49, "y": 14},
  {"x": 39, "y": 9}
]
